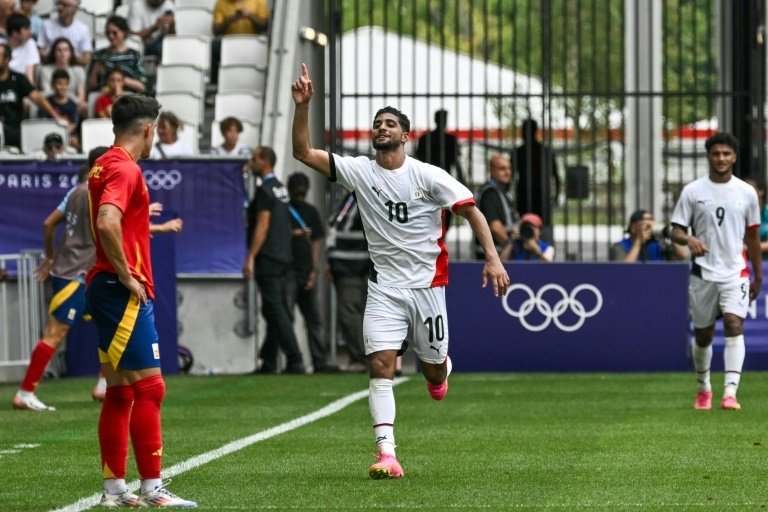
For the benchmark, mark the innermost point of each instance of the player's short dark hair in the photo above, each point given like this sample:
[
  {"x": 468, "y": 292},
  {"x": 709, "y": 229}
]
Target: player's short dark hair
[
  {"x": 296, "y": 181},
  {"x": 130, "y": 111},
  {"x": 405, "y": 123},
  {"x": 724, "y": 138},
  {"x": 59, "y": 74},
  {"x": 95, "y": 153},
  {"x": 268, "y": 154},
  {"x": 16, "y": 22}
]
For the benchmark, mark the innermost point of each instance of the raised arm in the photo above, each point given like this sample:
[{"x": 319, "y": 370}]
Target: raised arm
[
  {"x": 303, "y": 151},
  {"x": 493, "y": 270}
]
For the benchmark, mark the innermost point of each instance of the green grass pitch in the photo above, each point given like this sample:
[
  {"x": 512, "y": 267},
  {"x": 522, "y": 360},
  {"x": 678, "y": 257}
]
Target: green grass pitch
[{"x": 542, "y": 442}]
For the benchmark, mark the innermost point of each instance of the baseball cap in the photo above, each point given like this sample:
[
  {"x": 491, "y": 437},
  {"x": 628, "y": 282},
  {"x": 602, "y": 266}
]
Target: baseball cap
[
  {"x": 637, "y": 216},
  {"x": 533, "y": 219},
  {"x": 53, "y": 138}
]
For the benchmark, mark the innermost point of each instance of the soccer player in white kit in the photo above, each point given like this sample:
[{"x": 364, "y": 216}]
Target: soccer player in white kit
[
  {"x": 401, "y": 201},
  {"x": 723, "y": 214}
]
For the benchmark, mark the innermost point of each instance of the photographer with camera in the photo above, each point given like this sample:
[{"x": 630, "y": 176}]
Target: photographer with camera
[
  {"x": 641, "y": 243},
  {"x": 527, "y": 243},
  {"x": 497, "y": 206}
]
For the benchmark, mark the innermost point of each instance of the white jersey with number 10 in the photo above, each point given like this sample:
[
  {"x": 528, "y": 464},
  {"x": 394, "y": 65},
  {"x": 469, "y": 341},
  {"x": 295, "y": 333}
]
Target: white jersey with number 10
[{"x": 401, "y": 211}]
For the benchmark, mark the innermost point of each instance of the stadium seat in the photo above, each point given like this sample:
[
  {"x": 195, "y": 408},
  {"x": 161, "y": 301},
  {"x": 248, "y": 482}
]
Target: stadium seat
[
  {"x": 193, "y": 21},
  {"x": 180, "y": 78},
  {"x": 33, "y": 131},
  {"x": 244, "y": 50},
  {"x": 97, "y": 7},
  {"x": 251, "y": 135},
  {"x": 91, "y": 102},
  {"x": 244, "y": 105},
  {"x": 187, "y": 106},
  {"x": 189, "y": 133},
  {"x": 238, "y": 78},
  {"x": 191, "y": 50},
  {"x": 96, "y": 132},
  {"x": 207, "y": 4}
]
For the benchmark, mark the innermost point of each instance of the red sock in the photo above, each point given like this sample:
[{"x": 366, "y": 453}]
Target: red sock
[
  {"x": 146, "y": 432},
  {"x": 41, "y": 356},
  {"x": 113, "y": 430}
]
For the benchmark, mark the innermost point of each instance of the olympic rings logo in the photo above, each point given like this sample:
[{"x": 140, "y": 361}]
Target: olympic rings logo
[
  {"x": 567, "y": 302},
  {"x": 162, "y": 180}
]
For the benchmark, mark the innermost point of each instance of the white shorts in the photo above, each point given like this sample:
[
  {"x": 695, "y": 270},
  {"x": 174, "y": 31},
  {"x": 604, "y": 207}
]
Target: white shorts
[
  {"x": 708, "y": 300},
  {"x": 415, "y": 315}
]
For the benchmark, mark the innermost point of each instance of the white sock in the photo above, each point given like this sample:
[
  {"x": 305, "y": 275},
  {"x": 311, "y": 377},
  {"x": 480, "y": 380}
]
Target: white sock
[
  {"x": 733, "y": 356},
  {"x": 150, "y": 484},
  {"x": 702, "y": 359},
  {"x": 381, "y": 400},
  {"x": 115, "y": 485}
]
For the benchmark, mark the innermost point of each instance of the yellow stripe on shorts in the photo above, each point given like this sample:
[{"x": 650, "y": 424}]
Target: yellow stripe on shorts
[
  {"x": 62, "y": 296},
  {"x": 123, "y": 332}
]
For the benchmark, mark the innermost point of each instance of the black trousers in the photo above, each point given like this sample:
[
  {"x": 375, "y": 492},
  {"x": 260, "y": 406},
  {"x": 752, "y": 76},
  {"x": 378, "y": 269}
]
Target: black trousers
[
  {"x": 306, "y": 300},
  {"x": 351, "y": 295},
  {"x": 279, "y": 333}
]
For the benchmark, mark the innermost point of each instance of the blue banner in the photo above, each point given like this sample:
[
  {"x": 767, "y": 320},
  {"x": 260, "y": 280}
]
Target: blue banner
[
  {"x": 571, "y": 317},
  {"x": 208, "y": 195}
]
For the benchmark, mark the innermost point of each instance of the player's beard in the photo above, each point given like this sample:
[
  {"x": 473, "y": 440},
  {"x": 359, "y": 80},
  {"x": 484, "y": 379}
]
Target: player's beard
[{"x": 389, "y": 145}]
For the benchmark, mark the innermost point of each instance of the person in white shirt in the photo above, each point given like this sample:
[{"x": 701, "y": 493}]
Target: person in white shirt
[
  {"x": 152, "y": 20},
  {"x": 401, "y": 201},
  {"x": 231, "y": 128},
  {"x": 723, "y": 214},
  {"x": 65, "y": 25},
  {"x": 168, "y": 144},
  {"x": 24, "y": 54}
]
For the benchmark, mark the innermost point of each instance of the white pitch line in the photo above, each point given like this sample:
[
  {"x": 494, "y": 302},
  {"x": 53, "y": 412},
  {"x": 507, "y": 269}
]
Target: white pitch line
[{"x": 234, "y": 446}]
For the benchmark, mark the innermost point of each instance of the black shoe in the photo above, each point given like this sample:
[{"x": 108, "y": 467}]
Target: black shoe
[
  {"x": 265, "y": 370},
  {"x": 296, "y": 369},
  {"x": 327, "y": 368}
]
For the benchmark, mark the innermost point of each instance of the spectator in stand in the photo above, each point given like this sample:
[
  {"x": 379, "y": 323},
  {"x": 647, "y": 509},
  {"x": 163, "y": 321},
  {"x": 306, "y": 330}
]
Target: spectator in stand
[
  {"x": 234, "y": 17},
  {"x": 24, "y": 54},
  {"x": 62, "y": 56},
  {"x": 53, "y": 147},
  {"x": 240, "y": 17},
  {"x": 6, "y": 8},
  {"x": 152, "y": 20},
  {"x": 64, "y": 105},
  {"x": 65, "y": 25},
  {"x": 231, "y": 128},
  {"x": 115, "y": 84},
  {"x": 27, "y": 8},
  {"x": 117, "y": 55},
  {"x": 14, "y": 87},
  {"x": 168, "y": 144}
]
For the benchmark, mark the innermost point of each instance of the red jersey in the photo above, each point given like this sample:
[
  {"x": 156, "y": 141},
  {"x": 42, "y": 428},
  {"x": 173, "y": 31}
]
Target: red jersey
[{"x": 117, "y": 180}]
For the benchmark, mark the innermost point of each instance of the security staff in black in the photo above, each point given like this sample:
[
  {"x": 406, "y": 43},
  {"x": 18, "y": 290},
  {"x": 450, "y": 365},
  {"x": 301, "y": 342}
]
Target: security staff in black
[
  {"x": 497, "y": 205},
  {"x": 269, "y": 259}
]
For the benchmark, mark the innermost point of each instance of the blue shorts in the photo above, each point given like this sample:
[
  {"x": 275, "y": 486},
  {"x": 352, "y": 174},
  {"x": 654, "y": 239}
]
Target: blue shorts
[
  {"x": 127, "y": 335},
  {"x": 68, "y": 302}
]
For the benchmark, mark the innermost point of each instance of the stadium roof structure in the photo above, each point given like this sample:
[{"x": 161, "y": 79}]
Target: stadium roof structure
[{"x": 381, "y": 68}]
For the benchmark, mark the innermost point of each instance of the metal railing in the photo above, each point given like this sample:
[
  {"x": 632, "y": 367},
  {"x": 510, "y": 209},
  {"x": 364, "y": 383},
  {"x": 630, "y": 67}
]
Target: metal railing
[{"x": 22, "y": 307}]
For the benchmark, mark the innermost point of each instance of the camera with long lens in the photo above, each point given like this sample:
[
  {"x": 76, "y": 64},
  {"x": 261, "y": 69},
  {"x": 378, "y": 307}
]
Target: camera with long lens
[{"x": 527, "y": 232}]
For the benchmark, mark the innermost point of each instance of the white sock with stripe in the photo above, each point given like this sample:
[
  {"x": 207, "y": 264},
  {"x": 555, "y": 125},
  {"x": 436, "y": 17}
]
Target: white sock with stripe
[
  {"x": 381, "y": 400},
  {"x": 702, "y": 359},
  {"x": 733, "y": 356}
]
